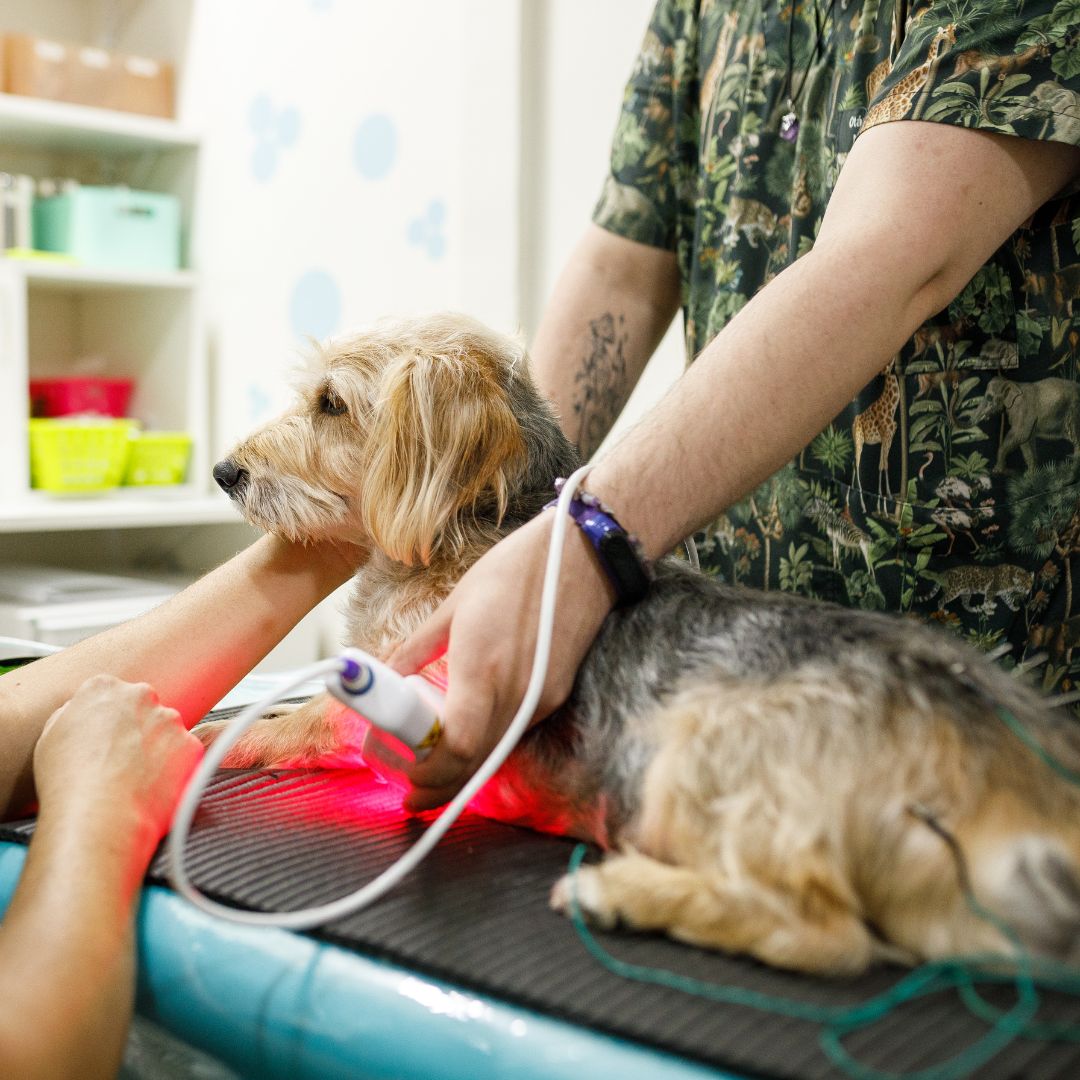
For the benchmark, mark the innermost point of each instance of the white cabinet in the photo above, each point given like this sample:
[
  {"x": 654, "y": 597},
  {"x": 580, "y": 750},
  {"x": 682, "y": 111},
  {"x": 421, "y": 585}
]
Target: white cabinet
[{"x": 143, "y": 325}]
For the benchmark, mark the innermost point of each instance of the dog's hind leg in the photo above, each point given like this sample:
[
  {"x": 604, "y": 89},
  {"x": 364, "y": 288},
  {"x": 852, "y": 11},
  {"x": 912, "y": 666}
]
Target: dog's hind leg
[
  {"x": 1027, "y": 871},
  {"x": 742, "y": 839},
  {"x": 706, "y": 909},
  {"x": 1006, "y": 868}
]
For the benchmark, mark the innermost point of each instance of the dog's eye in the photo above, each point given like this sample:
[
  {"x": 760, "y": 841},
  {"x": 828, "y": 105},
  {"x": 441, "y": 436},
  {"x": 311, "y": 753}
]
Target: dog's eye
[{"x": 331, "y": 404}]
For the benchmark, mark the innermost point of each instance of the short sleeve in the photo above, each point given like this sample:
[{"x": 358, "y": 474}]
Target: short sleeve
[
  {"x": 997, "y": 70},
  {"x": 638, "y": 198}
]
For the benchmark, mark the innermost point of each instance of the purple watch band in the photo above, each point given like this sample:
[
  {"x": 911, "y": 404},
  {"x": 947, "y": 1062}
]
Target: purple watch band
[{"x": 618, "y": 553}]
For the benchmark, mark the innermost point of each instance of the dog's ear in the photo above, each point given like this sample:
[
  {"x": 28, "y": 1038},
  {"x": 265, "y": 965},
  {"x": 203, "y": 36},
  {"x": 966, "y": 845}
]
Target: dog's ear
[{"x": 444, "y": 445}]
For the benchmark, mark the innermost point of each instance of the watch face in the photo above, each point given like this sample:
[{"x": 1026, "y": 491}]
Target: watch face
[{"x": 617, "y": 551}]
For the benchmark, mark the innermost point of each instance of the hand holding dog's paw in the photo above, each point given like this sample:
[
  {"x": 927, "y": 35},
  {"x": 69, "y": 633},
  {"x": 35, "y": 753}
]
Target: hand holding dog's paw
[{"x": 114, "y": 749}]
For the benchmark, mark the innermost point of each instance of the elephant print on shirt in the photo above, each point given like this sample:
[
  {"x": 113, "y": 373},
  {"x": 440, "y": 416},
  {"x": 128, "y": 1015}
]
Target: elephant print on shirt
[{"x": 1047, "y": 409}]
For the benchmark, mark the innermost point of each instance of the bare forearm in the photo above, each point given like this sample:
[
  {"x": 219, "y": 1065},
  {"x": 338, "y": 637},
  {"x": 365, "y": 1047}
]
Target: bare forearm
[
  {"x": 610, "y": 308},
  {"x": 67, "y": 955},
  {"x": 192, "y": 648},
  {"x": 732, "y": 420},
  {"x": 917, "y": 210}
]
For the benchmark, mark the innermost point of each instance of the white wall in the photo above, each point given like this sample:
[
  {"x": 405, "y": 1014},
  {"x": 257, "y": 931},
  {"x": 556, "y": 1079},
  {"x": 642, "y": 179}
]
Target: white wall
[
  {"x": 350, "y": 170},
  {"x": 578, "y": 56},
  {"x": 337, "y": 134}
]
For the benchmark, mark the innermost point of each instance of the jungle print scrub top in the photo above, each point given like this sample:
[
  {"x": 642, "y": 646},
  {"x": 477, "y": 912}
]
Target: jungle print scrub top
[{"x": 950, "y": 487}]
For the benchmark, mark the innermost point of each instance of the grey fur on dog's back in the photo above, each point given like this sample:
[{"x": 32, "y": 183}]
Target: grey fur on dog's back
[{"x": 692, "y": 628}]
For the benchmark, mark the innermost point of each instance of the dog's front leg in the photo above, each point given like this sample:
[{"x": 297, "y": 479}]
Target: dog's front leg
[{"x": 321, "y": 731}]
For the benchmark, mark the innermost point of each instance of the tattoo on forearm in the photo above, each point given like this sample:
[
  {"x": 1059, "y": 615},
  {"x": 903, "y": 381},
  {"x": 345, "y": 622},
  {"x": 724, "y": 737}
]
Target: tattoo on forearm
[{"x": 600, "y": 388}]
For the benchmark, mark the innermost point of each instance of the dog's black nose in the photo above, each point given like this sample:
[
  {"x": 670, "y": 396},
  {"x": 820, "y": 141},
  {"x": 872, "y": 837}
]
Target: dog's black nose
[{"x": 229, "y": 476}]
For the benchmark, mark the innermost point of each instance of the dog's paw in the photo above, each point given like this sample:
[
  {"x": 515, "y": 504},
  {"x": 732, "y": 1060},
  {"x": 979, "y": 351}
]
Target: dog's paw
[
  {"x": 208, "y": 731},
  {"x": 249, "y": 752},
  {"x": 587, "y": 886},
  {"x": 282, "y": 708},
  {"x": 302, "y": 736}
]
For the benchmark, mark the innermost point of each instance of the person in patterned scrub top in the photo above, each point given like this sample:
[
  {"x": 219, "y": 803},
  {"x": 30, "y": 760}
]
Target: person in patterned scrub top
[{"x": 869, "y": 216}]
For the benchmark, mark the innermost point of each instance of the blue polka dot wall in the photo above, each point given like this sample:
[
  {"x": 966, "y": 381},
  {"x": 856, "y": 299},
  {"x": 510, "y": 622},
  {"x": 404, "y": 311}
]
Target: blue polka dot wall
[
  {"x": 375, "y": 146},
  {"x": 275, "y": 129},
  {"x": 258, "y": 402},
  {"x": 315, "y": 305},
  {"x": 428, "y": 231}
]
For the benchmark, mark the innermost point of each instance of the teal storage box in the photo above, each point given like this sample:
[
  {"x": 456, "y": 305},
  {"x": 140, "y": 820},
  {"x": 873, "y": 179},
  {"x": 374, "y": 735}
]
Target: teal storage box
[{"x": 112, "y": 227}]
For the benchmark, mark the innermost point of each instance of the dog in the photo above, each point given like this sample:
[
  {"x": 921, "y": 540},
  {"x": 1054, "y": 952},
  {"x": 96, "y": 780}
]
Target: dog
[{"x": 817, "y": 787}]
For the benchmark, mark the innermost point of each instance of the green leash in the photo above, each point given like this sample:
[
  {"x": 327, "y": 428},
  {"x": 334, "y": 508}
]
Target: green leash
[
  {"x": 1037, "y": 748},
  {"x": 962, "y": 974}
]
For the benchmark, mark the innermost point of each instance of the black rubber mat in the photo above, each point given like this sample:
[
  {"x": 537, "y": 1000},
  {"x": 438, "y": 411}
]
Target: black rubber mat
[{"x": 475, "y": 913}]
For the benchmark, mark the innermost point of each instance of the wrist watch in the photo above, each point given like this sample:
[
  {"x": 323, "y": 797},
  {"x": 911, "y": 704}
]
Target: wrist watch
[{"x": 617, "y": 551}]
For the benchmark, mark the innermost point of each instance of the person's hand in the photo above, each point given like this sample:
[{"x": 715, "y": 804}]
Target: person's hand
[
  {"x": 487, "y": 627},
  {"x": 113, "y": 749}
]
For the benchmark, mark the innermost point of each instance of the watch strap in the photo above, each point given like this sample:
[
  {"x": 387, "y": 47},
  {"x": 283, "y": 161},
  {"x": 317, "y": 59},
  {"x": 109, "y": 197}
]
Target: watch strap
[{"x": 618, "y": 552}]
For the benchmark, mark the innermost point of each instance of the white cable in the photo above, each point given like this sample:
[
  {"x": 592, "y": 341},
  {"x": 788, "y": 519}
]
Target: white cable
[
  {"x": 691, "y": 553},
  {"x": 337, "y": 909}
]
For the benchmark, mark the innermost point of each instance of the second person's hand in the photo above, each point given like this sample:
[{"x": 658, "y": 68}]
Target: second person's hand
[{"x": 114, "y": 751}]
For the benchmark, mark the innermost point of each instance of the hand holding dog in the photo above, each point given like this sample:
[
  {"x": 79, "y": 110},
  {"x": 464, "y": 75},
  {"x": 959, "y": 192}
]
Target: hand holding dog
[
  {"x": 487, "y": 628},
  {"x": 113, "y": 747},
  {"x": 108, "y": 768}
]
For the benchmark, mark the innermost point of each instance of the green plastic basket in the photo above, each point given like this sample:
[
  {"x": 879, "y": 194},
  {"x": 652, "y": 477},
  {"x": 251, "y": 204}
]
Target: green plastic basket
[
  {"x": 158, "y": 458},
  {"x": 78, "y": 455}
]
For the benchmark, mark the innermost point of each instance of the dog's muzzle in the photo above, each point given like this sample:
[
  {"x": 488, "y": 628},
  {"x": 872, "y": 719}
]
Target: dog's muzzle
[{"x": 230, "y": 477}]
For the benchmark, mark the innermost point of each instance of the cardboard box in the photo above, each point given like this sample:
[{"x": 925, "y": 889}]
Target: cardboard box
[{"x": 85, "y": 75}]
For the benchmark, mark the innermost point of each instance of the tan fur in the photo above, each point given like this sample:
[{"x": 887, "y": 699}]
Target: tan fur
[
  {"x": 795, "y": 862},
  {"x": 423, "y": 387},
  {"x": 412, "y": 492},
  {"x": 779, "y": 818}
]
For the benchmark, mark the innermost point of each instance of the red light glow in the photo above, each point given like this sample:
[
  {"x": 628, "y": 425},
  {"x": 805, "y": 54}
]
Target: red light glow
[{"x": 437, "y": 673}]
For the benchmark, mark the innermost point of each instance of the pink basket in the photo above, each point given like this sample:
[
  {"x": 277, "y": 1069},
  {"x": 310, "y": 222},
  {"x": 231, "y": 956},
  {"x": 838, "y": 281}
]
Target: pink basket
[{"x": 80, "y": 396}]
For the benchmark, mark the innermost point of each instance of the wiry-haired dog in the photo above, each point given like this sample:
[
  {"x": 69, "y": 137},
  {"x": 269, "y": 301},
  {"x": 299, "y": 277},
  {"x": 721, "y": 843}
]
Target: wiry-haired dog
[{"x": 770, "y": 775}]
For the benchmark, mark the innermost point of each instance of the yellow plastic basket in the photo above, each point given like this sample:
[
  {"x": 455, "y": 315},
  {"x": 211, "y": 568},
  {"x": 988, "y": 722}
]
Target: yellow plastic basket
[
  {"x": 78, "y": 455},
  {"x": 158, "y": 457}
]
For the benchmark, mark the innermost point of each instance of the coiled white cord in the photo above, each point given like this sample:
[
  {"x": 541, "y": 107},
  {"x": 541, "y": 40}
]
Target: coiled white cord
[{"x": 307, "y": 918}]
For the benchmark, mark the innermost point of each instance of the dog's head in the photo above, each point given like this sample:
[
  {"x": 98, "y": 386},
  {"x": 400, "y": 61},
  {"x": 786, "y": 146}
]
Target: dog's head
[{"x": 420, "y": 437}]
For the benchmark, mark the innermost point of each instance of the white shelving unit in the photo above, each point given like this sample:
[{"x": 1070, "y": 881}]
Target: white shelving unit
[
  {"x": 145, "y": 325},
  {"x": 36, "y": 123},
  {"x": 54, "y": 315},
  {"x": 39, "y": 513}
]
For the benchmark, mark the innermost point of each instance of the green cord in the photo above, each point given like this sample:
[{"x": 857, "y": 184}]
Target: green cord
[
  {"x": 960, "y": 973},
  {"x": 1037, "y": 748}
]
